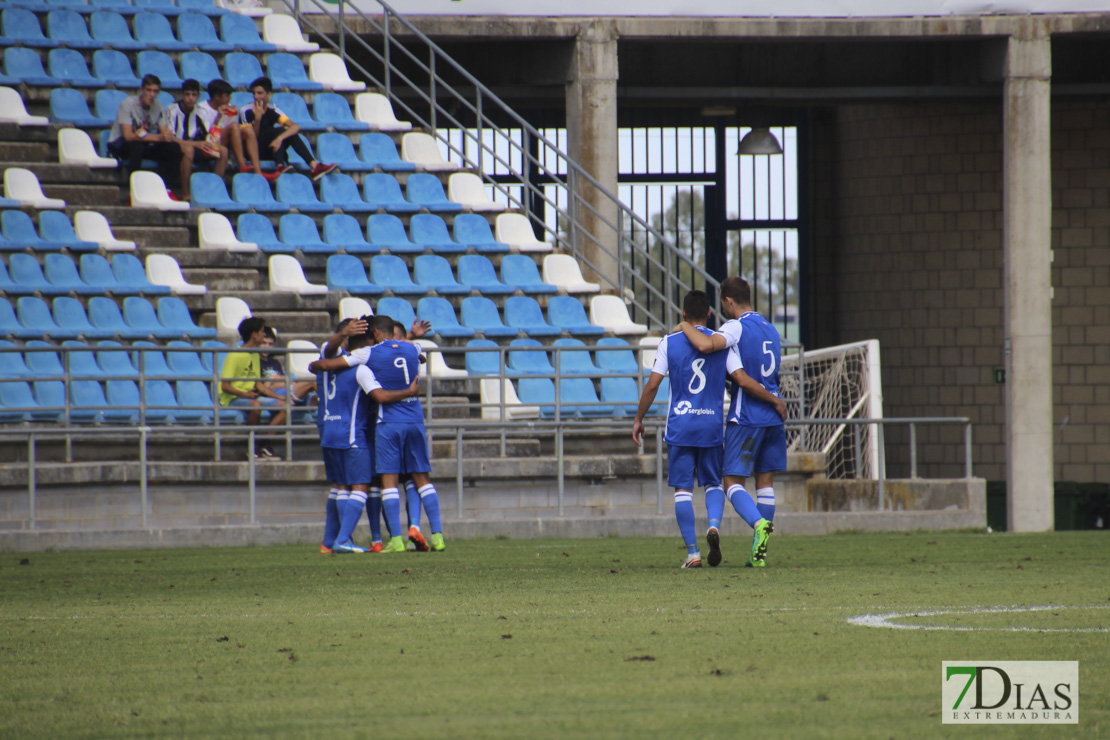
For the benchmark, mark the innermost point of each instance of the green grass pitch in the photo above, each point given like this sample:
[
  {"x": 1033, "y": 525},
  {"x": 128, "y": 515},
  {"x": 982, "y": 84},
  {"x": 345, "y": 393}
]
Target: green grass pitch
[{"x": 543, "y": 638}]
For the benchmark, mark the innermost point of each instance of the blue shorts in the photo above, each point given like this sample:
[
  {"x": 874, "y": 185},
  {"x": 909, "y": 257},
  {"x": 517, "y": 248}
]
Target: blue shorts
[
  {"x": 401, "y": 448},
  {"x": 355, "y": 466},
  {"x": 683, "y": 462},
  {"x": 335, "y": 467},
  {"x": 754, "y": 450},
  {"x": 244, "y": 403}
]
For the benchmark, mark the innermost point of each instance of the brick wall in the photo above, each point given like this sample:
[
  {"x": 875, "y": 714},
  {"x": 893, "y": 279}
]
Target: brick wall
[{"x": 908, "y": 250}]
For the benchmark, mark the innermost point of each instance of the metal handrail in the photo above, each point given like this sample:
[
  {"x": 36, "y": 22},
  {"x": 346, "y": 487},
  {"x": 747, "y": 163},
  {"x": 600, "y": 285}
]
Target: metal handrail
[{"x": 624, "y": 250}]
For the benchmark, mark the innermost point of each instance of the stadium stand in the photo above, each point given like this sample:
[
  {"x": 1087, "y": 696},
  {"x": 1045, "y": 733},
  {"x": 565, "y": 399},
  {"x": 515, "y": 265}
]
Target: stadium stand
[
  {"x": 473, "y": 231},
  {"x": 346, "y": 273},
  {"x": 430, "y": 231},
  {"x": 477, "y": 271},
  {"x": 521, "y": 271}
]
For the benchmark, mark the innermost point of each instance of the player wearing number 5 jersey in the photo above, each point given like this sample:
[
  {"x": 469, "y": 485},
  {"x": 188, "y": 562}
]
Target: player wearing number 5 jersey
[
  {"x": 695, "y": 418},
  {"x": 755, "y": 438}
]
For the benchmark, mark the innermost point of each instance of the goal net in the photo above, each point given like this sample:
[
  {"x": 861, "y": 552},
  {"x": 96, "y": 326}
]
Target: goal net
[{"x": 842, "y": 382}]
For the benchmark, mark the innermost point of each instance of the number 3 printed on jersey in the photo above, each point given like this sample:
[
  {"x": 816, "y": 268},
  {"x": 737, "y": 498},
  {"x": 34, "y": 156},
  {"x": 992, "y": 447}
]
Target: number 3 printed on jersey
[{"x": 697, "y": 383}]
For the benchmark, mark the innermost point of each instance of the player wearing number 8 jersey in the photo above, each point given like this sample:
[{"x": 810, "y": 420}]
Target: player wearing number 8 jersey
[{"x": 755, "y": 438}]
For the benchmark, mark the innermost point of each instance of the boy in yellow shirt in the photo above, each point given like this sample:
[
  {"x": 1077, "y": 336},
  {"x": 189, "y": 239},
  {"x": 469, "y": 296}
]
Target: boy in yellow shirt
[{"x": 253, "y": 394}]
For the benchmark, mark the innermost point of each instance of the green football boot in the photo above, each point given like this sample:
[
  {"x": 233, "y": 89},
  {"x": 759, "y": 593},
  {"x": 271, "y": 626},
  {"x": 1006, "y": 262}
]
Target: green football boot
[
  {"x": 763, "y": 530},
  {"x": 435, "y": 539},
  {"x": 395, "y": 544}
]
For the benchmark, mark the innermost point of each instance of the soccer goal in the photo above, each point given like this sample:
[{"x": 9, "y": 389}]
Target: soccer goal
[{"x": 842, "y": 382}]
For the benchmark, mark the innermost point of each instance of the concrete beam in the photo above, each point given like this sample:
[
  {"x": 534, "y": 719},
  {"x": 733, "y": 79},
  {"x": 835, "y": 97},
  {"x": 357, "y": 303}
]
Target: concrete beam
[{"x": 1027, "y": 291}]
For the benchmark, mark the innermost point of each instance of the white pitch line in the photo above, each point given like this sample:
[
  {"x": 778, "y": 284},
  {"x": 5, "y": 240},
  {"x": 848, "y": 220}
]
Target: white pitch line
[{"x": 883, "y": 620}]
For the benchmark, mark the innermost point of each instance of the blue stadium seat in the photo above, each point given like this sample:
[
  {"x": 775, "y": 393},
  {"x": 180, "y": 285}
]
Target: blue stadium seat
[
  {"x": 293, "y": 105},
  {"x": 154, "y": 30},
  {"x": 121, "y": 402},
  {"x": 299, "y": 231},
  {"x": 42, "y": 359},
  {"x": 25, "y": 65},
  {"x": 483, "y": 363},
  {"x": 123, "y": 7},
  {"x": 159, "y": 63},
  {"x": 68, "y": 106},
  {"x": 186, "y": 363},
  {"x": 575, "y": 391},
  {"x": 242, "y": 31},
  {"x": 623, "y": 361},
  {"x": 473, "y": 231},
  {"x": 520, "y": 270},
  {"x": 347, "y": 273},
  {"x": 20, "y": 25},
  {"x": 68, "y": 67},
  {"x": 390, "y": 271},
  {"x": 56, "y": 228},
  {"x": 76, "y": 6},
  {"x": 382, "y": 191},
  {"x": 195, "y": 394},
  {"x": 140, "y": 316},
  {"x": 61, "y": 271},
  {"x": 12, "y": 288},
  {"x": 386, "y": 231},
  {"x": 129, "y": 271},
  {"x": 79, "y": 357},
  {"x": 240, "y": 99},
  {"x": 575, "y": 361},
  {"x": 434, "y": 272},
  {"x": 338, "y": 148},
  {"x": 86, "y": 402},
  {"x": 258, "y": 229},
  {"x": 345, "y": 232},
  {"x": 107, "y": 102},
  {"x": 19, "y": 231},
  {"x": 378, "y": 151},
  {"x": 541, "y": 392},
  {"x": 68, "y": 29},
  {"x": 287, "y": 72},
  {"x": 398, "y": 309},
  {"x": 198, "y": 32},
  {"x": 152, "y": 361},
  {"x": 105, "y": 314},
  {"x": 332, "y": 109},
  {"x": 528, "y": 362},
  {"x": 213, "y": 354},
  {"x": 342, "y": 192},
  {"x": 115, "y": 363},
  {"x": 568, "y": 313},
  {"x": 477, "y": 272},
  {"x": 160, "y": 397},
  {"x": 430, "y": 232},
  {"x": 522, "y": 312},
  {"x": 252, "y": 190},
  {"x": 240, "y": 69},
  {"x": 206, "y": 7},
  {"x": 18, "y": 395},
  {"x": 199, "y": 65},
  {"x": 622, "y": 393},
  {"x": 11, "y": 326},
  {"x": 162, "y": 7},
  {"x": 480, "y": 313},
  {"x": 175, "y": 316},
  {"x": 11, "y": 362},
  {"x": 35, "y": 315},
  {"x": 108, "y": 28},
  {"x": 296, "y": 190},
  {"x": 26, "y": 271},
  {"x": 442, "y": 317},
  {"x": 426, "y": 191},
  {"x": 207, "y": 190}
]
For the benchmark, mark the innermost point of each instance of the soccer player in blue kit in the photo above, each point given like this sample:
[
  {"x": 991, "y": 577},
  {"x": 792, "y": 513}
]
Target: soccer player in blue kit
[{"x": 755, "y": 438}]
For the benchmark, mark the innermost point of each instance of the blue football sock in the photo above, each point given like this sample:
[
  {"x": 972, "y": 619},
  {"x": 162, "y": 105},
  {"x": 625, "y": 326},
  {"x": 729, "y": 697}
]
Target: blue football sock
[
  {"x": 430, "y": 500},
  {"x": 331, "y": 520},
  {"x": 374, "y": 513},
  {"x": 341, "y": 497},
  {"x": 715, "y": 505},
  {"x": 412, "y": 504},
  {"x": 684, "y": 513},
  {"x": 765, "y": 502},
  {"x": 351, "y": 514},
  {"x": 391, "y": 505},
  {"x": 743, "y": 504}
]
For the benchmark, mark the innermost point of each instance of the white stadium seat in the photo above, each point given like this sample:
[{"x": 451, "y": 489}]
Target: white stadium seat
[
  {"x": 148, "y": 190},
  {"x": 22, "y": 185},
  {"x": 375, "y": 109},
  {"x": 161, "y": 269},
  {"x": 75, "y": 147},
  {"x": 283, "y": 32},
  {"x": 216, "y": 233},
  {"x": 250, "y": 8},
  {"x": 515, "y": 230},
  {"x": 423, "y": 151},
  {"x": 563, "y": 271},
  {"x": 230, "y": 312},
  {"x": 301, "y": 352},
  {"x": 92, "y": 226},
  {"x": 331, "y": 72},
  {"x": 468, "y": 190},
  {"x": 286, "y": 276},
  {"x": 611, "y": 313},
  {"x": 491, "y": 399},
  {"x": 352, "y": 307},
  {"x": 648, "y": 347},
  {"x": 12, "y": 110},
  {"x": 436, "y": 366}
]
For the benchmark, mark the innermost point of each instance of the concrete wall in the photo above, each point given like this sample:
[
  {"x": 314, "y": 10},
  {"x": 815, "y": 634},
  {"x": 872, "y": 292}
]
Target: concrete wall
[{"x": 908, "y": 250}]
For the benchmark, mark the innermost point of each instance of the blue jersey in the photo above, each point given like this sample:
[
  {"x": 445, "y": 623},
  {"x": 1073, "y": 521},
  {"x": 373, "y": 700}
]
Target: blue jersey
[
  {"x": 760, "y": 350},
  {"x": 347, "y": 414},
  {"x": 322, "y": 380},
  {"x": 394, "y": 365},
  {"x": 696, "y": 410}
]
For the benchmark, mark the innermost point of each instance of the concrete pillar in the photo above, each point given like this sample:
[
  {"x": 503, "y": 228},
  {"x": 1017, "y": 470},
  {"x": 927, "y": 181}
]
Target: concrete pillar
[
  {"x": 1027, "y": 255},
  {"x": 592, "y": 142}
]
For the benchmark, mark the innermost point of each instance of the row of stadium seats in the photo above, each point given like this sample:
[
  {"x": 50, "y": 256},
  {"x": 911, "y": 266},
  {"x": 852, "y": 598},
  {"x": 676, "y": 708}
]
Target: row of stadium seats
[
  {"x": 167, "y": 7},
  {"x": 433, "y": 273},
  {"x": 88, "y": 232},
  {"x": 530, "y": 398},
  {"x": 60, "y": 275},
  {"x": 66, "y": 318},
  {"x": 41, "y": 360}
]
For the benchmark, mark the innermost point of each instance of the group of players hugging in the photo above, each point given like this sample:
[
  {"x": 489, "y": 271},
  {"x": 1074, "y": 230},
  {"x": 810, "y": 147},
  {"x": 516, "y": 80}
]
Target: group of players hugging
[{"x": 372, "y": 433}]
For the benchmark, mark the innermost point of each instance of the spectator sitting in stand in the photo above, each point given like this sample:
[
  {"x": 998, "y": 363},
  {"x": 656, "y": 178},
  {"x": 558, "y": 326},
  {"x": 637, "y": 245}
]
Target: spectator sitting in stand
[
  {"x": 250, "y": 392},
  {"x": 140, "y": 130},
  {"x": 242, "y": 141},
  {"x": 190, "y": 123},
  {"x": 276, "y": 132},
  {"x": 273, "y": 374}
]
